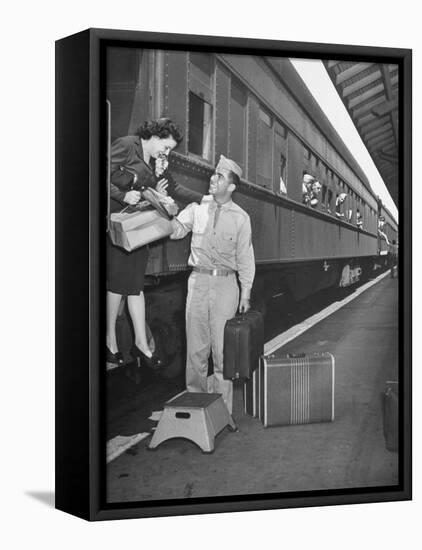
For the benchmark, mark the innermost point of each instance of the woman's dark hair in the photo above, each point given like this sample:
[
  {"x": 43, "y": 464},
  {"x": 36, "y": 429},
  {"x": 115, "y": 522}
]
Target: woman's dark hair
[{"x": 162, "y": 128}]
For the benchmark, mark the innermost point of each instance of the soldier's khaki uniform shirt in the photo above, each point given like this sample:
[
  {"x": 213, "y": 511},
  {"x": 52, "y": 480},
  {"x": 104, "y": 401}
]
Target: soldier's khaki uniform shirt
[{"x": 219, "y": 240}]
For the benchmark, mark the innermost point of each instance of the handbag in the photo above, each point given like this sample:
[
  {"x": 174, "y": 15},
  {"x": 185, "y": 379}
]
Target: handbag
[
  {"x": 131, "y": 230},
  {"x": 150, "y": 222}
]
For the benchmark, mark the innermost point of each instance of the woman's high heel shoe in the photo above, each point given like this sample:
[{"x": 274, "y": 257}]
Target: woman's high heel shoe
[
  {"x": 152, "y": 362},
  {"x": 116, "y": 358}
]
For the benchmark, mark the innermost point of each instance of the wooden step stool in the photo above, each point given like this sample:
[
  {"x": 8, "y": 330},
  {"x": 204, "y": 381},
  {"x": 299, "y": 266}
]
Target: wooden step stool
[{"x": 195, "y": 416}]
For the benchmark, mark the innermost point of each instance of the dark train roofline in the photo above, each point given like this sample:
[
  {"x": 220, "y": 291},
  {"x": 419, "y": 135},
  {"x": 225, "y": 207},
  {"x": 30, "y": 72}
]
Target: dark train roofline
[{"x": 297, "y": 87}]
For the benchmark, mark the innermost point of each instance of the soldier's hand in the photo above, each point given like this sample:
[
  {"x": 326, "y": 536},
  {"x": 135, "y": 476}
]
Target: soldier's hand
[
  {"x": 244, "y": 305},
  {"x": 132, "y": 197}
]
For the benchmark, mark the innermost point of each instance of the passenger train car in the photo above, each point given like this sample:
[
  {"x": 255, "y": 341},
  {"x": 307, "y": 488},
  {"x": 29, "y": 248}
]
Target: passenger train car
[{"x": 257, "y": 111}]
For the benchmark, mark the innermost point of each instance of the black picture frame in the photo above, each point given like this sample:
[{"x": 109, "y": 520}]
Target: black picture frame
[{"x": 80, "y": 308}]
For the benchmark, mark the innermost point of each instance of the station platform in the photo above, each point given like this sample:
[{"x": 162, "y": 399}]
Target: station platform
[{"x": 347, "y": 453}]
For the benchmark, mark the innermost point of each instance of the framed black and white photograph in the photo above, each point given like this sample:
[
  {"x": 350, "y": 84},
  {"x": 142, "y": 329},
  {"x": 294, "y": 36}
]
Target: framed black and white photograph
[{"x": 236, "y": 289}]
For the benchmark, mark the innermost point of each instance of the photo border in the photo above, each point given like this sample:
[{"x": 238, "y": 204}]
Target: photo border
[{"x": 80, "y": 265}]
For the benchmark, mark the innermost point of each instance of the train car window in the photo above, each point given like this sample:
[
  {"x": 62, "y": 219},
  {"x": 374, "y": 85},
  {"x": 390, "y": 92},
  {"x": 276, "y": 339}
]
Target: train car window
[
  {"x": 329, "y": 201},
  {"x": 359, "y": 217},
  {"x": 323, "y": 196},
  {"x": 265, "y": 118},
  {"x": 313, "y": 163},
  {"x": 200, "y": 126},
  {"x": 203, "y": 62},
  {"x": 265, "y": 150},
  {"x": 237, "y": 133},
  {"x": 201, "y": 70},
  {"x": 350, "y": 205},
  {"x": 350, "y": 213},
  {"x": 280, "y": 159},
  {"x": 282, "y": 165}
]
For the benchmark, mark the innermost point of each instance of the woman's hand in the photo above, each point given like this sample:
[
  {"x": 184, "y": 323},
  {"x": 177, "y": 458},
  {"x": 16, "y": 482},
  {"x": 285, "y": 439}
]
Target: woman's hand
[
  {"x": 161, "y": 165},
  {"x": 132, "y": 197},
  {"x": 161, "y": 187}
]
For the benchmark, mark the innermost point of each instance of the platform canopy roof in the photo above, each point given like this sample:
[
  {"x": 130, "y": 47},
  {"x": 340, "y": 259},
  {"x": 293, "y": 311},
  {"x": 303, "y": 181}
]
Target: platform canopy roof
[{"x": 369, "y": 92}]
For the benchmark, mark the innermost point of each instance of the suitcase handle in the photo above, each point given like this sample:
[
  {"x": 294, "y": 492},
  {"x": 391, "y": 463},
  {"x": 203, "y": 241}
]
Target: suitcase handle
[
  {"x": 296, "y": 355},
  {"x": 243, "y": 315}
]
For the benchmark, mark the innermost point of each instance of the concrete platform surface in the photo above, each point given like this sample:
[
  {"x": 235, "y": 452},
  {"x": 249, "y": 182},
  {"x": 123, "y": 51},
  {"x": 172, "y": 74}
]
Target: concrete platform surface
[{"x": 348, "y": 453}]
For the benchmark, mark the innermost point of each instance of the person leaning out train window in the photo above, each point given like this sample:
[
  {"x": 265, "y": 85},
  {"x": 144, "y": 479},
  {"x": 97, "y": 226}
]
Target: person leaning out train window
[
  {"x": 137, "y": 161},
  {"x": 340, "y": 205},
  {"x": 315, "y": 194},
  {"x": 381, "y": 232},
  {"x": 359, "y": 219},
  {"x": 307, "y": 182},
  {"x": 283, "y": 189}
]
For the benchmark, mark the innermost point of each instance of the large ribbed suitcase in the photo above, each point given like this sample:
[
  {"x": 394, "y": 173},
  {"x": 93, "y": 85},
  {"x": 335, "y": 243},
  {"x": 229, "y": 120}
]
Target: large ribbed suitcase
[
  {"x": 243, "y": 345},
  {"x": 296, "y": 389}
]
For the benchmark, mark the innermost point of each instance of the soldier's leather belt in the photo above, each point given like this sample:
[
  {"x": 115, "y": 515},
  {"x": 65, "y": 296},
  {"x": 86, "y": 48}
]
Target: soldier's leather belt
[{"x": 214, "y": 272}]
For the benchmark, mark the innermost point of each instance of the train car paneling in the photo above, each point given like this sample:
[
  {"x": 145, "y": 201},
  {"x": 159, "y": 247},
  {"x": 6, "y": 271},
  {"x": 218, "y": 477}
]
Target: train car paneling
[
  {"x": 143, "y": 97},
  {"x": 271, "y": 229},
  {"x": 281, "y": 230},
  {"x": 295, "y": 152},
  {"x": 238, "y": 123},
  {"x": 311, "y": 134},
  {"x": 222, "y": 101},
  {"x": 319, "y": 239},
  {"x": 253, "y": 110},
  {"x": 176, "y": 91},
  {"x": 262, "y": 82},
  {"x": 124, "y": 68},
  {"x": 270, "y": 90},
  {"x": 383, "y": 246}
]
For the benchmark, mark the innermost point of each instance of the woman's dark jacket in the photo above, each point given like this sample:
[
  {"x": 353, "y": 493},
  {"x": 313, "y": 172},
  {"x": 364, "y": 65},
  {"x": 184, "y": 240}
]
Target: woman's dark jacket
[{"x": 127, "y": 153}]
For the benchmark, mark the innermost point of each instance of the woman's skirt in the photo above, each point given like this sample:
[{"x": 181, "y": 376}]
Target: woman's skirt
[{"x": 125, "y": 270}]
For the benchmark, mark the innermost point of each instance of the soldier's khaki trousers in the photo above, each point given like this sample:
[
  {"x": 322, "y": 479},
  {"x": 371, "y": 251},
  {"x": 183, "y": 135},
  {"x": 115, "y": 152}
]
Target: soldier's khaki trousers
[{"x": 211, "y": 301}]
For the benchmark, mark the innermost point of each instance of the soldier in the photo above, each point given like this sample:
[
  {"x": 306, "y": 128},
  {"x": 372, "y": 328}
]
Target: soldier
[{"x": 221, "y": 247}]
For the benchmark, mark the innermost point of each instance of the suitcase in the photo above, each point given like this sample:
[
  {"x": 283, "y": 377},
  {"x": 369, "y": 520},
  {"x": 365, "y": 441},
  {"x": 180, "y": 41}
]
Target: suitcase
[
  {"x": 296, "y": 389},
  {"x": 243, "y": 345},
  {"x": 390, "y": 403},
  {"x": 133, "y": 230}
]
